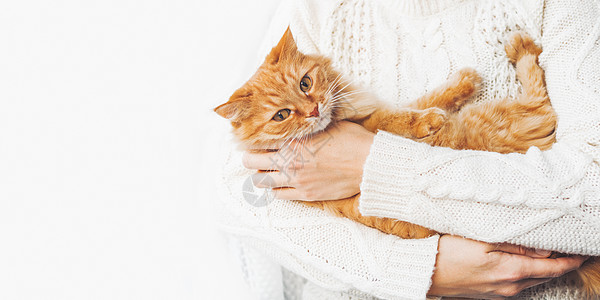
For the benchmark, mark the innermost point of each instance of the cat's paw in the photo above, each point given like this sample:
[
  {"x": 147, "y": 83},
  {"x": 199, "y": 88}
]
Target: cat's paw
[
  {"x": 428, "y": 122},
  {"x": 467, "y": 82},
  {"x": 469, "y": 76},
  {"x": 519, "y": 45}
]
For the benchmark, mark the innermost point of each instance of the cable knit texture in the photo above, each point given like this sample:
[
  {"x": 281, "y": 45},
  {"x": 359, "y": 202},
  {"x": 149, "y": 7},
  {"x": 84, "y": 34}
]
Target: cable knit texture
[
  {"x": 400, "y": 50},
  {"x": 548, "y": 199}
]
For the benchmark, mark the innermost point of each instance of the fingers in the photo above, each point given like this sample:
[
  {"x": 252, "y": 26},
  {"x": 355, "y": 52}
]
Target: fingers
[
  {"x": 551, "y": 267},
  {"x": 513, "y": 289},
  {"x": 272, "y": 180},
  {"x": 286, "y": 194},
  {"x": 520, "y": 250},
  {"x": 524, "y": 272},
  {"x": 527, "y": 283},
  {"x": 283, "y": 159},
  {"x": 281, "y": 185},
  {"x": 260, "y": 161}
]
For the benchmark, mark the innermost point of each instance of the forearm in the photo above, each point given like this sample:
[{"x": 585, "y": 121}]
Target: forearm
[
  {"x": 483, "y": 195},
  {"x": 555, "y": 179}
]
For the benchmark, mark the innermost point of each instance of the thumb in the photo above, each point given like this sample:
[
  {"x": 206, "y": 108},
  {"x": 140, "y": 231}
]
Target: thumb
[{"x": 520, "y": 250}]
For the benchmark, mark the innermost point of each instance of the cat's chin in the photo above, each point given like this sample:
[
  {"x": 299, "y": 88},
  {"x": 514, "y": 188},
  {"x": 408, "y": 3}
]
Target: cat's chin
[{"x": 321, "y": 124}]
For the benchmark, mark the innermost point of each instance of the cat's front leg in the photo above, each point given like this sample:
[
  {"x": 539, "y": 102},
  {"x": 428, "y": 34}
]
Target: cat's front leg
[
  {"x": 428, "y": 122},
  {"x": 453, "y": 94},
  {"x": 415, "y": 124}
]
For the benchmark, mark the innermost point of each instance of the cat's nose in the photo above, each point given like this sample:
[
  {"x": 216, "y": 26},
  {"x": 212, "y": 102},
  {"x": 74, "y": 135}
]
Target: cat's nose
[{"x": 315, "y": 112}]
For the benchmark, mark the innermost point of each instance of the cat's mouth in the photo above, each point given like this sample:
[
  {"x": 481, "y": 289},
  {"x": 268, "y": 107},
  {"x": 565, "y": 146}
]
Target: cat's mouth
[{"x": 322, "y": 121}]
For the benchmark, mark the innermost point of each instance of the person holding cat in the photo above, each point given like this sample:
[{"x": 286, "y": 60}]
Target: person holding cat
[{"x": 546, "y": 200}]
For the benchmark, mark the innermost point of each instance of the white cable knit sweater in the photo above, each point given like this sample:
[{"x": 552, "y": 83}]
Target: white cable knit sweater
[{"x": 400, "y": 50}]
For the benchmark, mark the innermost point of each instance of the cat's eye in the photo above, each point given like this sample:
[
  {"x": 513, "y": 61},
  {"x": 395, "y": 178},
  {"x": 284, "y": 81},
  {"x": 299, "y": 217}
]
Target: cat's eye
[
  {"x": 305, "y": 83},
  {"x": 282, "y": 115}
]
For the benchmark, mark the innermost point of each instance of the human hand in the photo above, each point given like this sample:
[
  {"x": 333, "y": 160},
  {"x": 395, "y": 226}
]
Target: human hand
[
  {"x": 326, "y": 166},
  {"x": 472, "y": 269}
]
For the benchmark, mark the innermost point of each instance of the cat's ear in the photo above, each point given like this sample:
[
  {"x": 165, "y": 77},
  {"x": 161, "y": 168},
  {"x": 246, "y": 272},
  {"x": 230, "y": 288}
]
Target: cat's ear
[
  {"x": 226, "y": 110},
  {"x": 236, "y": 107},
  {"x": 285, "y": 48}
]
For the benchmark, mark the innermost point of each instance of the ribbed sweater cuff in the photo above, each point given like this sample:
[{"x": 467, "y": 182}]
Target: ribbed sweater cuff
[
  {"x": 390, "y": 176},
  {"x": 409, "y": 268}
]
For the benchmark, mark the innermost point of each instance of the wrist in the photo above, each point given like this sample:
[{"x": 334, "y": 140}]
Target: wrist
[{"x": 364, "y": 148}]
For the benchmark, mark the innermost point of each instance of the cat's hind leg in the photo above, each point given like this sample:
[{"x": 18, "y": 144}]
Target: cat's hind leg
[
  {"x": 539, "y": 122},
  {"x": 453, "y": 94},
  {"x": 348, "y": 208},
  {"x": 523, "y": 53}
]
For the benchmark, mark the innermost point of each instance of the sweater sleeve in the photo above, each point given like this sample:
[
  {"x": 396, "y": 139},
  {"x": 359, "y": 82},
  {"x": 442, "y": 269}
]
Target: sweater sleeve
[
  {"x": 331, "y": 252},
  {"x": 548, "y": 199}
]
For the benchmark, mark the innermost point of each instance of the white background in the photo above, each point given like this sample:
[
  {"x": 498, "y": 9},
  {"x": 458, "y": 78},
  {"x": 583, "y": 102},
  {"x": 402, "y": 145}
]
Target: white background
[{"x": 106, "y": 138}]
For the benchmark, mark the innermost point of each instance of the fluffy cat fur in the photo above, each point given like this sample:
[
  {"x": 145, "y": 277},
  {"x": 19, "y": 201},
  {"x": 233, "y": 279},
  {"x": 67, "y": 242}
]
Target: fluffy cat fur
[{"x": 441, "y": 118}]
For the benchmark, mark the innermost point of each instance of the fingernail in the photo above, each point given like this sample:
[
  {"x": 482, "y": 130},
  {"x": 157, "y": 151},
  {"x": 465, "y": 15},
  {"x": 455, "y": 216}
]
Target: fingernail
[{"x": 541, "y": 252}]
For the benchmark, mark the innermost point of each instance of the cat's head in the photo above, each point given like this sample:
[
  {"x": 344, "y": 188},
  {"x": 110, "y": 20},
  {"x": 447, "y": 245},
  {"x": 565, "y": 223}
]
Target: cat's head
[{"x": 291, "y": 95}]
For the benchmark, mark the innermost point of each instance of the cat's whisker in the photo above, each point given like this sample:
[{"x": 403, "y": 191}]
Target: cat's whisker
[
  {"x": 338, "y": 103},
  {"x": 299, "y": 145},
  {"x": 347, "y": 85},
  {"x": 351, "y": 91},
  {"x": 342, "y": 92},
  {"x": 334, "y": 84},
  {"x": 342, "y": 99},
  {"x": 346, "y": 94},
  {"x": 288, "y": 141},
  {"x": 297, "y": 135}
]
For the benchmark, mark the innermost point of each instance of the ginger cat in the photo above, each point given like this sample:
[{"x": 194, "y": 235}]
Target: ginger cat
[{"x": 293, "y": 95}]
